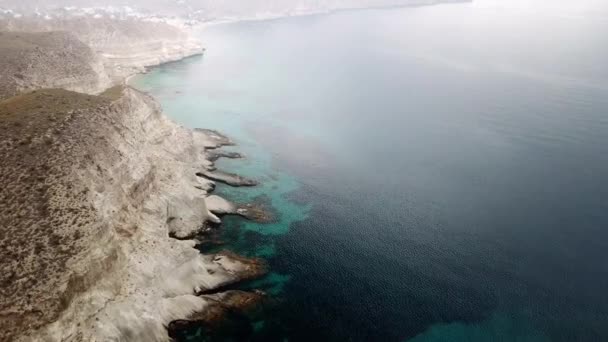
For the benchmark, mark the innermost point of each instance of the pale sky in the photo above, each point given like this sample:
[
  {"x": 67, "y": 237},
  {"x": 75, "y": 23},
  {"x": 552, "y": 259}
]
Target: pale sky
[{"x": 570, "y": 8}]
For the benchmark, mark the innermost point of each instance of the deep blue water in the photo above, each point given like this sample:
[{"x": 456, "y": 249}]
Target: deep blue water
[{"x": 439, "y": 173}]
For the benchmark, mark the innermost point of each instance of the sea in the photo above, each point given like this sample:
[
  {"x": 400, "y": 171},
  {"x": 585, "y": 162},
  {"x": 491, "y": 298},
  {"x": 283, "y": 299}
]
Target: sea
[{"x": 435, "y": 173}]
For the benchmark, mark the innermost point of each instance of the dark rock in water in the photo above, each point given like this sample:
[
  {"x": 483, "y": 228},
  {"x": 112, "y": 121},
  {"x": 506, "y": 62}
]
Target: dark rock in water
[
  {"x": 261, "y": 210},
  {"x": 227, "y": 317},
  {"x": 254, "y": 267},
  {"x": 177, "y": 328},
  {"x": 255, "y": 213},
  {"x": 214, "y": 155},
  {"x": 227, "y": 178}
]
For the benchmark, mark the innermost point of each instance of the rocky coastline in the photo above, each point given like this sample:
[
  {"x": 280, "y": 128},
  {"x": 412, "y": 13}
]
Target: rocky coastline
[{"x": 102, "y": 203}]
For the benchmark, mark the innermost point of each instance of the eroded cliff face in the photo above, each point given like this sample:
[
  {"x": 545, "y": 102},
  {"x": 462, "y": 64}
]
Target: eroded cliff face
[
  {"x": 92, "y": 189},
  {"x": 126, "y": 46},
  {"x": 31, "y": 61}
]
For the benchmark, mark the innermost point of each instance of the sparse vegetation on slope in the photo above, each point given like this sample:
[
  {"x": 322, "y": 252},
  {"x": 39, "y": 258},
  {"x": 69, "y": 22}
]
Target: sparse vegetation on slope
[
  {"x": 125, "y": 46},
  {"x": 45, "y": 217},
  {"x": 47, "y": 60}
]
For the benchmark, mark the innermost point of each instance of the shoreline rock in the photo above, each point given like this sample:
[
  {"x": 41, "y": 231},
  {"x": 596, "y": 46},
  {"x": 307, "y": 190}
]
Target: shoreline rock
[
  {"x": 218, "y": 138},
  {"x": 250, "y": 211},
  {"x": 225, "y": 314},
  {"x": 214, "y": 155},
  {"x": 227, "y": 178}
]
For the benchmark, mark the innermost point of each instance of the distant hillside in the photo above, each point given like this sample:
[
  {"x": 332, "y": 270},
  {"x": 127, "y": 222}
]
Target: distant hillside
[
  {"x": 126, "y": 46},
  {"x": 48, "y": 60}
]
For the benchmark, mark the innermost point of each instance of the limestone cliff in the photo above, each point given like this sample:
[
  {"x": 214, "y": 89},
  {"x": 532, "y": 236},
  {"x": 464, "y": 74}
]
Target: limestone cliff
[
  {"x": 92, "y": 189},
  {"x": 31, "y": 61}
]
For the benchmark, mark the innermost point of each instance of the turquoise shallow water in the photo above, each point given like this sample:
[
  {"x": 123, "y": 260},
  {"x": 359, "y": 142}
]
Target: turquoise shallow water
[
  {"x": 178, "y": 99},
  {"x": 438, "y": 173}
]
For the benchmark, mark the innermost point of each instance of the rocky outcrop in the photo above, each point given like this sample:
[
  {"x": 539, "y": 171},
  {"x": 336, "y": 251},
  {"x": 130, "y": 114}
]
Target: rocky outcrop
[
  {"x": 224, "y": 317},
  {"x": 31, "y": 61},
  {"x": 227, "y": 178},
  {"x": 251, "y": 211},
  {"x": 93, "y": 187},
  {"x": 214, "y": 155}
]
